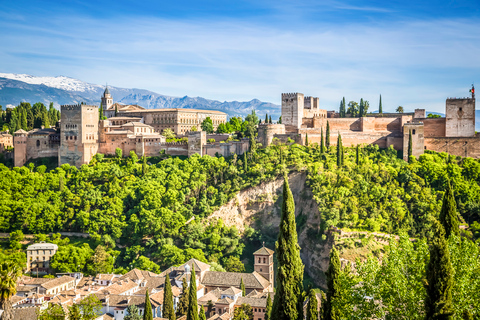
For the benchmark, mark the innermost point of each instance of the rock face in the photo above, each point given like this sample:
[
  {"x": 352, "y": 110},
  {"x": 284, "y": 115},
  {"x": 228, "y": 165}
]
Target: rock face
[{"x": 260, "y": 208}]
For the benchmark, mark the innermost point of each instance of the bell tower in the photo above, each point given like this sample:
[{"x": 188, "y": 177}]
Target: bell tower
[
  {"x": 263, "y": 263},
  {"x": 107, "y": 100}
]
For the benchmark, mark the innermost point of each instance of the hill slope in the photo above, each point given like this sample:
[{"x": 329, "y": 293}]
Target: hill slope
[{"x": 15, "y": 88}]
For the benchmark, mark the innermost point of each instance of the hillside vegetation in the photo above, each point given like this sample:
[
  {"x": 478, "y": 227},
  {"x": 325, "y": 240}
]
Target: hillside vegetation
[{"x": 141, "y": 214}]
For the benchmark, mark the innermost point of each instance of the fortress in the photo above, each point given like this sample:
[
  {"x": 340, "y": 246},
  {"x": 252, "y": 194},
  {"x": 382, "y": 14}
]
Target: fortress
[
  {"x": 455, "y": 134},
  {"x": 80, "y": 134},
  {"x": 131, "y": 128}
]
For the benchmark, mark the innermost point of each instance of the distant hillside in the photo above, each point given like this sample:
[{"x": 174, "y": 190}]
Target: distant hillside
[{"x": 15, "y": 88}]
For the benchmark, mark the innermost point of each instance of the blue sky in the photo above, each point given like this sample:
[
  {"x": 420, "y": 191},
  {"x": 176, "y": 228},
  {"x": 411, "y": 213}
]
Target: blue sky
[{"x": 414, "y": 53}]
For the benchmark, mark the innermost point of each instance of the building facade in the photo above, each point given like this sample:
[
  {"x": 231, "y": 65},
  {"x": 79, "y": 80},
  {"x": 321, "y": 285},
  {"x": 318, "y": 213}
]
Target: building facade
[{"x": 38, "y": 256}]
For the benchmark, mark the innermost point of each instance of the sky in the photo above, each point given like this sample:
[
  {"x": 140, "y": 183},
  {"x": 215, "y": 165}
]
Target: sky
[{"x": 414, "y": 53}]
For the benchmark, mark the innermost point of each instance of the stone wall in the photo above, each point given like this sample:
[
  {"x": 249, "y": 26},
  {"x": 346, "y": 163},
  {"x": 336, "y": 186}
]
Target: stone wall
[
  {"x": 464, "y": 146},
  {"x": 42, "y": 145},
  {"x": 418, "y": 140},
  {"x": 434, "y": 127},
  {"x": 344, "y": 124},
  {"x": 226, "y": 149},
  {"x": 266, "y": 132},
  {"x": 196, "y": 141},
  {"x": 460, "y": 117}
]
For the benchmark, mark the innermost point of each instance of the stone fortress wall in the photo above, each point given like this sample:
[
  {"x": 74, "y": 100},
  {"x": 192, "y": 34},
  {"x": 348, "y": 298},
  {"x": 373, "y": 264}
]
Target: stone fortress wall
[{"x": 455, "y": 134}]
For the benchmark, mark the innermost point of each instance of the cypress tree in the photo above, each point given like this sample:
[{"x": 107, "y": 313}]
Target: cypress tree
[
  {"x": 148, "y": 314},
  {"x": 183, "y": 301},
  {"x": 100, "y": 113},
  {"x": 380, "y": 108},
  {"x": 242, "y": 287},
  {"x": 339, "y": 151},
  {"x": 327, "y": 137},
  {"x": 116, "y": 110},
  {"x": 269, "y": 119},
  {"x": 357, "y": 161},
  {"x": 245, "y": 164},
  {"x": 312, "y": 306},
  {"x": 168, "y": 312},
  {"x": 288, "y": 301},
  {"x": 322, "y": 145},
  {"x": 266, "y": 117},
  {"x": 340, "y": 112},
  {"x": 192, "y": 309},
  {"x": 306, "y": 139},
  {"x": 268, "y": 308},
  {"x": 201, "y": 314},
  {"x": 467, "y": 315},
  {"x": 448, "y": 214},
  {"x": 410, "y": 148},
  {"x": 144, "y": 165},
  {"x": 362, "y": 107},
  {"x": 333, "y": 290},
  {"x": 343, "y": 108},
  {"x": 438, "y": 301}
]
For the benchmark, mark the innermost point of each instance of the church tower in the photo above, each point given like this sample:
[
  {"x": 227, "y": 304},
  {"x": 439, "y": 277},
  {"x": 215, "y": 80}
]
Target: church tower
[
  {"x": 107, "y": 101},
  {"x": 263, "y": 263}
]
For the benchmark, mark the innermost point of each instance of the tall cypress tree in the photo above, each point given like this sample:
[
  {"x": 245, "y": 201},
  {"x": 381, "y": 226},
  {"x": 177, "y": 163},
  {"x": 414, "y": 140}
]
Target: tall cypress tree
[
  {"x": 312, "y": 306},
  {"x": 448, "y": 214},
  {"x": 357, "y": 160},
  {"x": 362, "y": 107},
  {"x": 144, "y": 165},
  {"x": 116, "y": 110},
  {"x": 327, "y": 137},
  {"x": 168, "y": 312},
  {"x": 380, "y": 108},
  {"x": 438, "y": 301},
  {"x": 288, "y": 301},
  {"x": 306, "y": 139},
  {"x": 245, "y": 164},
  {"x": 322, "y": 145},
  {"x": 268, "y": 308},
  {"x": 266, "y": 117},
  {"x": 148, "y": 314},
  {"x": 344, "y": 108},
  {"x": 100, "y": 113},
  {"x": 242, "y": 287},
  {"x": 410, "y": 147},
  {"x": 340, "y": 110},
  {"x": 333, "y": 290},
  {"x": 201, "y": 314},
  {"x": 183, "y": 301},
  {"x": 192, "y": 309},
  {"x": 339, "y": 151},
  {"x": 269, "y": 119}
]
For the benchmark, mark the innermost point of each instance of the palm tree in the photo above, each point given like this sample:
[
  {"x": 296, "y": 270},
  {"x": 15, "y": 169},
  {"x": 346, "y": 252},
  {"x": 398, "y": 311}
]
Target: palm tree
[
  {"x": 400, "y": 109},
  {"x": 9, "y": 274}
]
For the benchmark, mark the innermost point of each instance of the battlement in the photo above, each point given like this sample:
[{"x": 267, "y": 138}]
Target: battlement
[
  {"x": 289, "y": 95},
  {"x": 71, "y": 107},
  {"x": 457, "y": 98},
  {"x": 180, "y": 143}
]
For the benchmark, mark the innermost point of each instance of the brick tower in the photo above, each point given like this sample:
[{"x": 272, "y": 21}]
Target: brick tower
[
  {"x": 263, "y": 263},
  {"x": 20, "y": 148}
]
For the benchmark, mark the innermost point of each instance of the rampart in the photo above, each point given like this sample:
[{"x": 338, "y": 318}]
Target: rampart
[
  {"x": 226, "y": 149},
  {"x": 459, "y": 146}
]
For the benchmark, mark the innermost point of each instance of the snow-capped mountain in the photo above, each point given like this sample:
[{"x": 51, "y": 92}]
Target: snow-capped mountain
[{"x": 15, "y": 88}]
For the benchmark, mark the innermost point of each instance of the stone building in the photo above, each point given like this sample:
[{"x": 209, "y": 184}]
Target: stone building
[
  {"x": 6, "y": 141},
  {"x": 38, "y": 257},
  {"x": 455, "y": 134}
]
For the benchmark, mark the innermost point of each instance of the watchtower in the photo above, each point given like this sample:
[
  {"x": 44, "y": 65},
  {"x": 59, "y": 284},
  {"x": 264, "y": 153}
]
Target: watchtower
[
  {"x": 78, "y": 134},
  {"x": 263, "y": 263},
  {"x": 292, "y": 110},
  {"x": 460, "y": 116},
  {"x": 418, "y": 139},
  {"x": 20, "y": 148},
  {"x": 107, "y": 101}
]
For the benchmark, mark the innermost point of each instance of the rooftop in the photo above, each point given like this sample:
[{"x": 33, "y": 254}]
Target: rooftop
[
  {"x": 43, "y": 246},
  {"x": 178, "y": 110}
]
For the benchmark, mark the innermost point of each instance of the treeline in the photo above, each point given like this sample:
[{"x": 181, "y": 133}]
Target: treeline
[{"x": 27, "y": 117}]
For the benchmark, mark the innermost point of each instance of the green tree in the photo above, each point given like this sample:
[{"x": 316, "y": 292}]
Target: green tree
[
  {"x": 322, "y": 144},
  {"x": 210, "y": 306},
  {"x": 439, "y": 282},
  {"x": 116, "y": 110},
  {"x": 118, "y": 153},
  {"x": 410, "y": 147},
  {"x": 244, "y": 312},
  {"x": 399, "y": 109},
  {"x": 279, "y": 120},
  {"x": 252, "y": 118},
  {"x": 192, "y": 309},
  {"x": 266, "y": 117},
  {"x": 207, "y": 125},
  {"x": 312, "y": 306},
  {"x": 306, "y": 139},
  {"x": 339, "y": 151},
  {"x": 330, "y": 311},
  {"x": 10, "y": 271},
  {"x": 361, "y": 111},
  {"x": 357, "y": 155},
  {"x": 168, "y": 312},
  {"x": 100, "y": 113},
  {"x": 245, "y": 162},
  {"x": 100, "y": 262},
  {"x": 288, "y": 302},
  {"x": 148, "y": 313},
  {"x": 380, "y": 108},
  {"x": 90, "y": 307},
  {"x": 268, "y": 308},
  {"x": 353, "y": 109},
  {"x": 242, "y": 287},
  {"x": 74, "y": 313},
  {"x": 183, "y": 301},
  {"x": 15, "y": 238},
  {"x": 467, "y": 315},
  {"x": 169, "y": 134},
  {"x": 144, "y": 165},
  {"x": 52, "y": 312},
  {"x": 448, "y": 214},
  {"x": 270, "y": 119},
  {"x": 201, "y": 314},
  {"x": 193, "y": 129},
  {"x": 132, "y": 313},
  {"x": 327, "y": 137}
]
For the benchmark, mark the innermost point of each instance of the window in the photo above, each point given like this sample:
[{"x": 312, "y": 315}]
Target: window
[
  {"x": 413, "y": 131},
  {"x": 460, "y": 109},
  {"x": 38, "y": 143},
  {"x": 264, "y": 260}
]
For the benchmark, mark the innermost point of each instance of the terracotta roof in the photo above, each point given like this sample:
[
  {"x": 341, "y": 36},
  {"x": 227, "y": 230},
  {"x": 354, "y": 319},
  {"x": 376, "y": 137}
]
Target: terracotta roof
[
  {"x": 233, "y": 279},
  {"x": 125, "y": 118},
  {"x": 231, "y": 291},
  {"x": 213, "y": 296},
  {"x": 254, "y": 302},
  {"x": 225, "y": 316},
  {"x": 179, "y": 110},
  {"x": 57, "y": 282},
  {"x": 107, "y": 277},
  {"x": 199, "y": 265},
  {"x": 16, "y": 299},
  {"x": 120, "y": 287},
  {"x": 26, "y": 288},
  {"x": 25, "y": 313},
  {"x": 20, "y": 131},
  {"x": 224, "y": 301},
  {"x": 135, "y": 124},
  {"x": 264, "y": 251}
]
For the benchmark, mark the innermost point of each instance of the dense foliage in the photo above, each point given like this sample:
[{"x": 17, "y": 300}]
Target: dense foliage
[{"x": 27, "y": 117}]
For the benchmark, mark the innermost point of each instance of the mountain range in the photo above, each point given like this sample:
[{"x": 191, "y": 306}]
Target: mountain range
[{"x": 16, "y": 88}]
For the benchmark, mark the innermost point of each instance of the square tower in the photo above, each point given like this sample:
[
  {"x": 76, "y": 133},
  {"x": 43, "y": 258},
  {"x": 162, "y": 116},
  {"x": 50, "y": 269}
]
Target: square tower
[
  {"x": 292, "y": 110},
  {"x": 78, "y": 134},
  {"x": 460, "y": 117},
  {"x": 418, "y": 140},
  {"x": 263, "y": 263}
]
